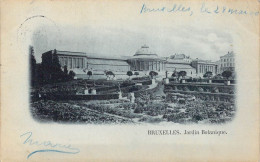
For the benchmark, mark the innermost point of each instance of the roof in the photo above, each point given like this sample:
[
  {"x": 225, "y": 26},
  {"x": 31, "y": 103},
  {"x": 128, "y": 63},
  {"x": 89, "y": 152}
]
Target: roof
[
  {"x": 89, "y": 55},
  {"x": 179, "y": 56},
  {"x": 179, "y": 66},
  {"x": 95, "y": 61},
  {"x": 69, "y": 53},
  {"x": 204, "y": 61},
  {"x": 177, "y": 61},
  {"x": 145, "y": 50},
  {"x": 105, "y": 56},
  {"x": 147, "y": 57},
  {"x": 229, "y": 54}
]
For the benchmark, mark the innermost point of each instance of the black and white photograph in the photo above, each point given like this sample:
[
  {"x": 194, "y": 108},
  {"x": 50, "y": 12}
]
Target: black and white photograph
[{"x": 118, "y": 76}]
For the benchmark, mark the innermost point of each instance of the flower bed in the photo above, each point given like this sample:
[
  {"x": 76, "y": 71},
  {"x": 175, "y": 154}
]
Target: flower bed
[{"x": 64, "y": 112}]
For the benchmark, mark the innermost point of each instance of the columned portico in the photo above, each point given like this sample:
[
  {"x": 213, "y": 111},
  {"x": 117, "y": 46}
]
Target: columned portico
[{"x": 145, "y": 60}]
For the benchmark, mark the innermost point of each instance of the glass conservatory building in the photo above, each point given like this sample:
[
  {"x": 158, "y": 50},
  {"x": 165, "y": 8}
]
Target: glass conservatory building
[{"x": 145, "y": 60}]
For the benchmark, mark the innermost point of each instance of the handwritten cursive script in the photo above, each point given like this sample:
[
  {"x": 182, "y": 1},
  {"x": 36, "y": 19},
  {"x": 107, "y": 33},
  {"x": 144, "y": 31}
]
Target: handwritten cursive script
[
  {"x": 48, "y": 146},
  {"x": 175, "y": 8},
  {"x": 204, "y": 10}
]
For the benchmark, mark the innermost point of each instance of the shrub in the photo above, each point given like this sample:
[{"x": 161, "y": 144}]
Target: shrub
[
  {"x": 226, "y": 74},
  {"x": 138, "y": 110},
  {"x": 208, "y": 74},
  {"x": 129, "y": 73},
  {"x": 182, "y": 73},
  {"x": 197, "y": 117},
  {"x": 153, "y": 73},
  {"x": 89, "y": 73}
]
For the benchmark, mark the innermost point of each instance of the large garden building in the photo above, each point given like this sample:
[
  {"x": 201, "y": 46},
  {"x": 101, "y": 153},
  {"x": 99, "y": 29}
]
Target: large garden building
[
  {"x": 227, "y": 62},
  {"x": 203, "y": 66},
  {"x": 143, "y": 61}
]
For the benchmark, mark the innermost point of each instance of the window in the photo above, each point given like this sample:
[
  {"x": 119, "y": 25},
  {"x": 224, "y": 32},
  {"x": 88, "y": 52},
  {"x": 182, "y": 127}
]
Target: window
[
  {"x": 77, "y": 62},
  {"x": 60, "y": 60},
  {"x": 74, "y": 62},
  {"x": 70, "y": 62},
  {"x": 82, "y": 63},
  {"x": 66, "y": 61}
]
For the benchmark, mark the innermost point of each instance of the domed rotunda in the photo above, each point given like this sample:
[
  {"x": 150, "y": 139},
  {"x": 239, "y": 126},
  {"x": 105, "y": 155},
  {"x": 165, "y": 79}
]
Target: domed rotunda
[{"x": 146, "y": 60}]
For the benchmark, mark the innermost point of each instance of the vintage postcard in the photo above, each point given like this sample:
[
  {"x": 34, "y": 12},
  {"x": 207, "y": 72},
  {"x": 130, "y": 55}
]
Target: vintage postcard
[{"x": 129, "y": 80}]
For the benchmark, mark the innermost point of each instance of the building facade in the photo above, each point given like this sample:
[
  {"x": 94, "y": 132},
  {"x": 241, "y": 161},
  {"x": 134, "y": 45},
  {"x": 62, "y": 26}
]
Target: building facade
[
  {"x": 95, "y": 63},
  {"x": 66, "y": 58},
  {"x": 203, "y": 66},
  {"x": 227, "y": 62},
  {"x": 181, "y": 57},
  {"x": 180, "y": 63},
  {"x": 144, "y": 61}
]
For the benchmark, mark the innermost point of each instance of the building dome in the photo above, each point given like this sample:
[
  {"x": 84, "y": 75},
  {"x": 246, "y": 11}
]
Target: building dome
[{"x": 145, "y": 51}]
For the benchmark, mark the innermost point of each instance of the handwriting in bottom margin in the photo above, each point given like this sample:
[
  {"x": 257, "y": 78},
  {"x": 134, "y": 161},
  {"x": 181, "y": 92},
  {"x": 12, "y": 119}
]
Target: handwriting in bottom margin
[{"x": 48, "y": 146}]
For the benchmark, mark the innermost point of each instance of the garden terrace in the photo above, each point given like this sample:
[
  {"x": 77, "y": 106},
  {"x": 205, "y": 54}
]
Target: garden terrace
[
  {"x": 207, "y": 96},
  {"x": 213, "y": 88},
  {"x": 201, "y": 111},
  {"x": 197, "y": 80},
  {"x": 70, "y": 113},
  {"x": 64, "y": 97},
  {"x": 148, "y": 91},
  {"x": 74, "y": 90}
]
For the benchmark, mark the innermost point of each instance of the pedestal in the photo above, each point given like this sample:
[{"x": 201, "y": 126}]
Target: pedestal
[
  {"x": 153, "y": 81},
  {"x": 228, "y": 82},
  {"x": 94, "y": 91},
  {"x": 210, "y": 81},
  {"x": 167, "y": 81},
  {"x": 86, "y": 91},
  {"x": 120, "y": 95},
  {"x": 132, "y": 98}
]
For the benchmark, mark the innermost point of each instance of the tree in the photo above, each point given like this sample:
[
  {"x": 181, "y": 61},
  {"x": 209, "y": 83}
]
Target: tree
[
  {"x": 109, "y": 74},
  {"x": 136, "y": 73},
  {"x": 52, "y": 69},
  {"x": 182, "y": 74},
  {"x": 71, "y": 75},
  {"x": 175, "y": 74},
  {"x": 129, "y": 73},
  {"x": 32, "y": 65},
  {"x": 208, "y": 74},
  {"x": 40, "y": 74},
  {"x": 56, "y": 72},
  {"x": 65, "y": 76},
  {"x": 218, "y": 76},
  {"x": 227, "y": 74},
  {"x": 65, "y": 69},
  {"x": 153, "y": 73},
  {"x": 89, "y": 74}
]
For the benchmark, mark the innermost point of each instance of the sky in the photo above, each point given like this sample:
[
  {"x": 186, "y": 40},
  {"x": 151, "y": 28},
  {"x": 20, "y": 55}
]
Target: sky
[{"x": 193, "y": 41}]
